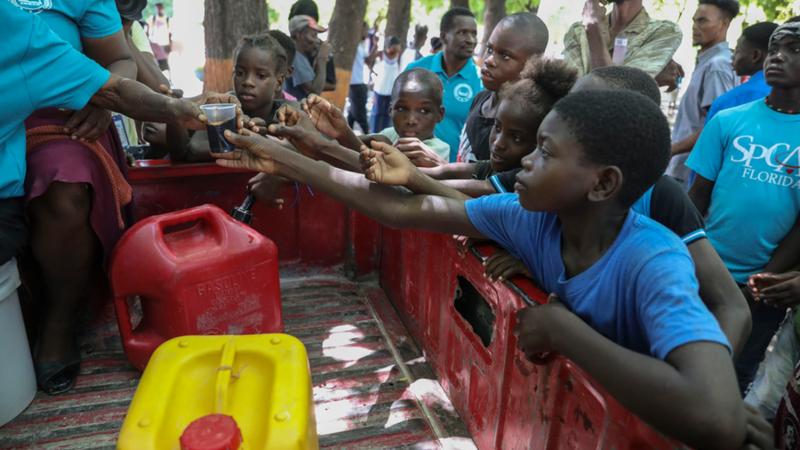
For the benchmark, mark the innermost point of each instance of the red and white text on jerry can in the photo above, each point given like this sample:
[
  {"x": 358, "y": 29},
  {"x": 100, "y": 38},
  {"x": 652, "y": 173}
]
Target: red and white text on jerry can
[{"x": 195, "y": 271}]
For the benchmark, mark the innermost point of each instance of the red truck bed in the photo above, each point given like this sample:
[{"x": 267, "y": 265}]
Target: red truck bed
[{"x": 373, "y": 384}]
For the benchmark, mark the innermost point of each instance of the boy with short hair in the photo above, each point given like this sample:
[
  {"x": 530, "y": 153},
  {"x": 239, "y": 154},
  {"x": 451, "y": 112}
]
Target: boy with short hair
[
  {"x": 415, "y": 110},
  {"x": 633, "y": 320},
  {"x": 748, "y": 61},
  {"x": 713, "y": 76},
  {"x": 457, "y": 70},
  {"x": 514, "y": 40}
]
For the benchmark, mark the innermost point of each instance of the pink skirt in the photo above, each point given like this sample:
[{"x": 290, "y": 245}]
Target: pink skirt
[{"x": 70, "y": 161}]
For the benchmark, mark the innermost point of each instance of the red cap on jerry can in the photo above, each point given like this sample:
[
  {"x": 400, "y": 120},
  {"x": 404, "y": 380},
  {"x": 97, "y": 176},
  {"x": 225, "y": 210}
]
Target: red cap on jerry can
[{"x": 212, "y": 432}]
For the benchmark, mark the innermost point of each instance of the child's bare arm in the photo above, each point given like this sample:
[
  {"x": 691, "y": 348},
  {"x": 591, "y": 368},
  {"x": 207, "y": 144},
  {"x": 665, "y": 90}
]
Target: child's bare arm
[
  {"x": 450, "y": 171},
  {"x": 473, "y": 188},
  {"x": 298, "y": 128},
  {"x": 313, "y": 145},
  {"x": 692, "y": 396},
  {"x": 387, "y": 165},
  {"x": 385, "y": 204},
  {"x": 721, "y": 294},
  {"x": 700, "y": 193}
]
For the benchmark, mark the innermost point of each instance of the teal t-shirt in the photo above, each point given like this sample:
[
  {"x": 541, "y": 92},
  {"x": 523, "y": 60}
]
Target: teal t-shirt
[
  {"x": 73, "y": 19},
  {"x": 37, "y": 70},
  {"x": 752, "y": 154},
  {"x": 459, "y": 90}
]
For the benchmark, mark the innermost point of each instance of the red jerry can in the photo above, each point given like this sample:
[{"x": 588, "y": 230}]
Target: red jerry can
[{"x": 195, "y": 271}]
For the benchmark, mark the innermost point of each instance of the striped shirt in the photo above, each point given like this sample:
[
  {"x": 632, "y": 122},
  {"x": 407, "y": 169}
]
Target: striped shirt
[{"x": 651, "y": 43}]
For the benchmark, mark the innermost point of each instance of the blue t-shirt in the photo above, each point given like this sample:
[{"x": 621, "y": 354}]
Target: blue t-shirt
[
  {"x": 641, "y": 294},
  {"x": 755, "y": 88},
  {"x": 458, "y": 93},
  {"x": 37, "y": 70},
  {"x": 73, "y": 19},
  {"x": 752, "y": 154},
  {"x": 665, "y": 202}
]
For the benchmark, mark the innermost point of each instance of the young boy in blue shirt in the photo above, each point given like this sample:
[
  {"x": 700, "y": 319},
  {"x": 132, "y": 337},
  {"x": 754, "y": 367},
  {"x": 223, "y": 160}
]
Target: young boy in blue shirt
[{"x": 631, "y": 316}]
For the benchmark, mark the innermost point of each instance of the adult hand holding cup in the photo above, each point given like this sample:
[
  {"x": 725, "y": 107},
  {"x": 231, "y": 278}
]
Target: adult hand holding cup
[{"x": 219, "y": 117}]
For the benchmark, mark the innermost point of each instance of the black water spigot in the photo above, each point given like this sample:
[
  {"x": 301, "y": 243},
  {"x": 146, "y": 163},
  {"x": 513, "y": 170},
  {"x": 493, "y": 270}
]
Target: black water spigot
[{"x": 242, "y": 212}]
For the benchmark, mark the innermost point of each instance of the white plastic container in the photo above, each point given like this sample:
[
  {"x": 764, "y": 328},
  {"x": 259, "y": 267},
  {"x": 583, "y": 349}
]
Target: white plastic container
[{"x": 17, "y": 378}]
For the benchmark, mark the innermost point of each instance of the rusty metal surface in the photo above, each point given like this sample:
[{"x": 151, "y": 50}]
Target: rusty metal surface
[{"x": 373, "y": 388}]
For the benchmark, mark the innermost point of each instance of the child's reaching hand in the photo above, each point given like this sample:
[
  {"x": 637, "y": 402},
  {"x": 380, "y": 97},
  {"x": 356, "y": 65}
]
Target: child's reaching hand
[
  {"x": 780, "y": 290},
  {"x": 760, "y": 434},
  {"x": 255, "y": 124},
  {"x": 266, "y": 189},
  {"x": 502, "y": 265},
  {"x": 307, "y": 141},
  {"x": 327, "y": 118},
  {"x": 536, "y": 326},
  {"x": 419, "y": 153},
  {"x": 386, "y": 165},
  {"x": 292, "y": 117},
  {"x": 253, "y": 152}
]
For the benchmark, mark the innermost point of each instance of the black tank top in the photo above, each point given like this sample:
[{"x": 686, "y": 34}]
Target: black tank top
[{"x": 478, "y": 127}]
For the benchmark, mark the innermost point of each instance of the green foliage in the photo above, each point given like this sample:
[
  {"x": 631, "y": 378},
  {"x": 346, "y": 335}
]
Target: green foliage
[
  {"x": 512, "y": 6},
  {"x": 274, "y": 16},
  {"x": 430, "y": 5},
  {"x": 775, "y": 10},
  {"x": 479, "y": 6}
]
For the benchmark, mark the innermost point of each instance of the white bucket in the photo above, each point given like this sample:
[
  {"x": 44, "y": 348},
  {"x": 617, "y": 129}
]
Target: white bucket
[{"x": 17, "y": 378}]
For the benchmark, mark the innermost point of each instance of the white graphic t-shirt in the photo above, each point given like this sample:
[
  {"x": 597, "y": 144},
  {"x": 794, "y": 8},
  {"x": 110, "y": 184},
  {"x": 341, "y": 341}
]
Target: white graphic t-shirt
[{"x": 752, "y": 154}]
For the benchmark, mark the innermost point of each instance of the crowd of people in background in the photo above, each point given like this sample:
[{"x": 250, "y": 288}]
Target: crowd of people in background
[{"x": 670, "y": 251}]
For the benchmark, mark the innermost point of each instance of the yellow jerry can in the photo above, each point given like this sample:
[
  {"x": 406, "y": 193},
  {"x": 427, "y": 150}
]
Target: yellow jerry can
[{"x": 262, "y": 381}]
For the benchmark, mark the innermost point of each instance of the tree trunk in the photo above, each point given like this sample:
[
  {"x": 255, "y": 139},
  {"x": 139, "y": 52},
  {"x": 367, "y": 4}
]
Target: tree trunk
[
  {"x": 397, "y": 20},
  {"x": 460, "y": 3},
  {"x": 225, "y": 22},
  {"x": 344, "y": 33},
  {"x": 495, "y": 11}
]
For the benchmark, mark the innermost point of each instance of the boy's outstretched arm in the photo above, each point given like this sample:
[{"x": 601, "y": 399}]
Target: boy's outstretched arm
[
  {"x": 692, "y": 395},
  {"x": 473, "y": 188},
  {"x": 386, "y": 164},
  {"x": 311, "y": 143},
  {"x": 721, "y": 294},
  {"x": 298, "y": 128},
  {"x": 395, "y": 164},
  {"x": 385, "y": 204}
]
